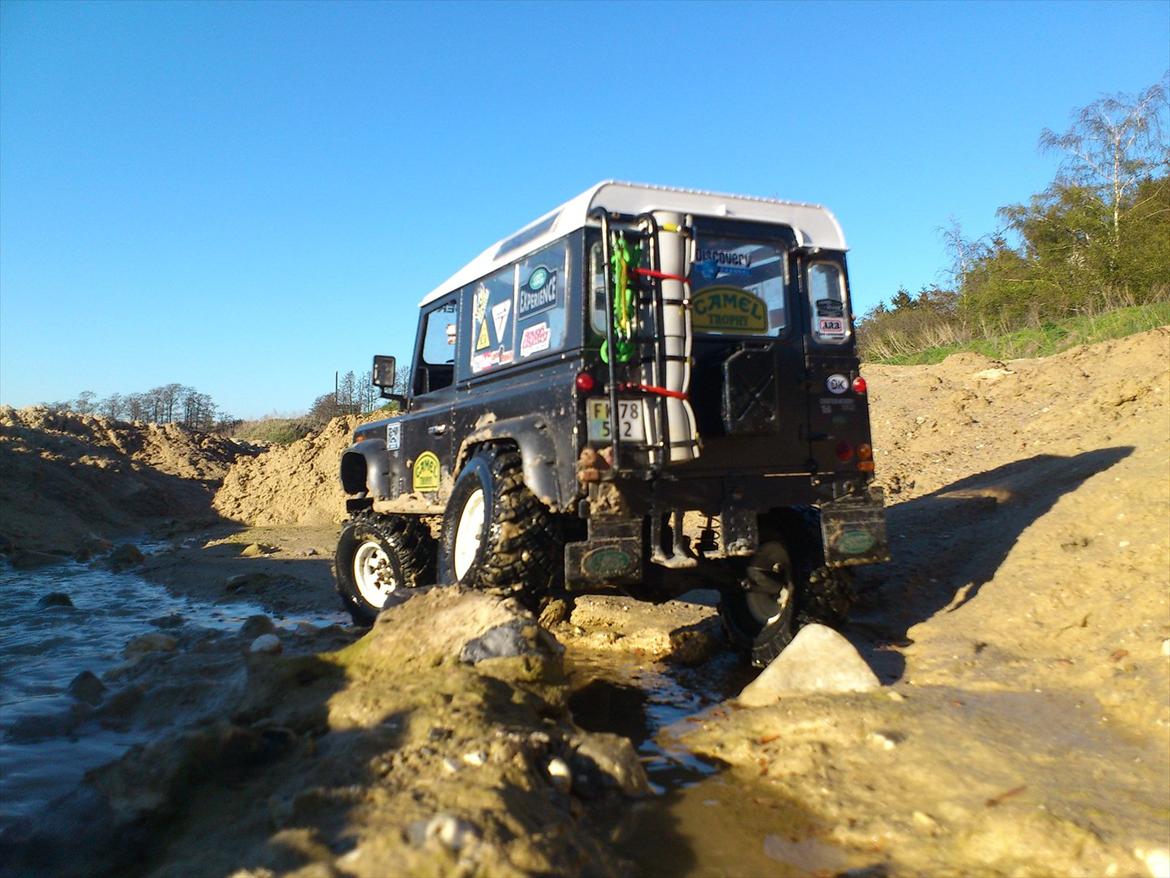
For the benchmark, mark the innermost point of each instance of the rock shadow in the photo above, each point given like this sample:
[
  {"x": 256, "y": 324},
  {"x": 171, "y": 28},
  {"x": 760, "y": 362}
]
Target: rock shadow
[{"x": 948, "y": 544}]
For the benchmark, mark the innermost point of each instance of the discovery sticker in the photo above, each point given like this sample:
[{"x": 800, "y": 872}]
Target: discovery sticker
[
  {"x": 426, "y": 472},
  {"x": 535, "y": 339}
]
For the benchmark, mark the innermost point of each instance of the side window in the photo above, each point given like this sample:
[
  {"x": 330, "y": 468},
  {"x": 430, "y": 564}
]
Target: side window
[
  {"x": 540, "y": 301},
  {"x": 830, "y": 310},
  {"x": 738, "y": 287},
  {"x": 597, "y": 287},
  {"x": 437, "y": 362},
  {"x": 490, "y": 321}
]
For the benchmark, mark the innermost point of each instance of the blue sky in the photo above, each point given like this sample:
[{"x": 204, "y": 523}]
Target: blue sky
[{"x": 244, "y": 197}]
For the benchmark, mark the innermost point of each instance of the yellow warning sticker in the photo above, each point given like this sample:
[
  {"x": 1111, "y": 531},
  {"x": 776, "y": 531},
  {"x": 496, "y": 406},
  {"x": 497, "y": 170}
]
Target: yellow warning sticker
[
  {"x": 483, "y": 341},
  {"x": 426, "y": 472}
]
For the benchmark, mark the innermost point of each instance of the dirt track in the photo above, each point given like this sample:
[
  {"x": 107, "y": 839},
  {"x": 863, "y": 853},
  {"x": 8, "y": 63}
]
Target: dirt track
[{"x": 1022, "y": 632}]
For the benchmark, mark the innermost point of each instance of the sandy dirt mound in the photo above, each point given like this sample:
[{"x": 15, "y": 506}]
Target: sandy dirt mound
[
  {"x": 1021, "y": 630},
  {"x": 293, "y": 484},
  {"x": 68, "y": 479}
]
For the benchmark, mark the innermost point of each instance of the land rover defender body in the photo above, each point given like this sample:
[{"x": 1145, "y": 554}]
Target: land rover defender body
[{"x": 647, "y": 388}]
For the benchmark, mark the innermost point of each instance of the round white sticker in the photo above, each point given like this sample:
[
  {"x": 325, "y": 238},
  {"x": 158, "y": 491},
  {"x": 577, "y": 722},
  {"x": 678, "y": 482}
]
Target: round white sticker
[{"x": 837, "y": 383}]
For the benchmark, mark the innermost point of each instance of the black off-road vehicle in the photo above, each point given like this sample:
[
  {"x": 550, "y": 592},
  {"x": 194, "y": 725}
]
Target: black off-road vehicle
[{"x": 648, "y": 389}]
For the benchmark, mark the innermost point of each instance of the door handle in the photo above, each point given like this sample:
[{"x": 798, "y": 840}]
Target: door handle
[{"x": 437, "y": 429}]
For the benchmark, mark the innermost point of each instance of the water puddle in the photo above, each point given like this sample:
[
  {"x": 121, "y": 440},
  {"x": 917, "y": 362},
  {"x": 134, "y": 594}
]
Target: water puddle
[
  {"x": 43, "y": 750},
  {"x": 702, "y": 820}
]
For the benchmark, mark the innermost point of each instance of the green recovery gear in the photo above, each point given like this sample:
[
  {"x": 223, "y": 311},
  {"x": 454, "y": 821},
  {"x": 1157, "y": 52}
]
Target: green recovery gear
[{"x": 624, "y": 306}]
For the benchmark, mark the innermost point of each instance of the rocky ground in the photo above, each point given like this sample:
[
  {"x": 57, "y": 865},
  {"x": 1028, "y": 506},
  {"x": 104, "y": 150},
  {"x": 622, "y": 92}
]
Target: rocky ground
[{"x": 1018, "y": 722}]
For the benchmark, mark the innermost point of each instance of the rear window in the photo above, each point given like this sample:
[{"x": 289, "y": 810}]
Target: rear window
[{"x": 738, "y": 287}]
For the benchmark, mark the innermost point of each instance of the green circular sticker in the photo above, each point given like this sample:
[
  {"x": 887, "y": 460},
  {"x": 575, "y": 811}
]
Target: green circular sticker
[
  {"x": 606, "y": 561},
  {"x": 854, "y": 542},
  {"x": 538, "y": 278}
]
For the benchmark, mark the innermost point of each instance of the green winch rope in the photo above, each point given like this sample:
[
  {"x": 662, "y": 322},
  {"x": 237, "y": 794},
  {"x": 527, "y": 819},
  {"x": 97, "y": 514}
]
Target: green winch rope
[{"x": 625, "y": 310}]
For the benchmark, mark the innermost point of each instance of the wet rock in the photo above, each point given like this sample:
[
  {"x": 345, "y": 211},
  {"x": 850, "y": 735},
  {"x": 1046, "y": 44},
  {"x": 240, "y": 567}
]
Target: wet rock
[
  {"x": 453, "y": 833},
  {"x": 172, "y": 620},
  {"x": 694, "y": 644},
  {"x": 27, "y": 559},
  {"x": 153, "y": 642},
  {"x": 559, "y": 774},
  {"x": 818, "y": 660},
  {"x": 87, "y": 687},
  {"x": 266, "y": 644},
  {"x": 55, "y": 599},
  {"x": 256, "y": 625},
  {"x": 555, "y": 611},
  {"x": 123, "y": 702},
  {"x": 124, "y": 557},
  {"x": 603, "y": 760},
  {"x": 29, "y": 729},
  {"x": 503, "y": 641},
  {"x": 254, "y": 550},
  {"x": 251, "y": 581}
]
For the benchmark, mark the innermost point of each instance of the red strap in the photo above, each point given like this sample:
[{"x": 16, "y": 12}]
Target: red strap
[
  {"x": 659, "y": 391},
  {"x": 661, "y": 275}
]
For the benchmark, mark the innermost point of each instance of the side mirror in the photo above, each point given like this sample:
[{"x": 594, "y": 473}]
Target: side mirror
[
  {"x": 384, "y": 368},
  {"x": 383, "y": 378}
]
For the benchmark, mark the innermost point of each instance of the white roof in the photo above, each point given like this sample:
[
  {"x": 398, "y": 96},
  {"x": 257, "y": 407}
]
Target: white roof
[{"x": 814, "y": 225}]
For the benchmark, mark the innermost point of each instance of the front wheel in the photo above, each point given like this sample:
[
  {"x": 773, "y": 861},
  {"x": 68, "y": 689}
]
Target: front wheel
[{"x": 376, "y": 556}]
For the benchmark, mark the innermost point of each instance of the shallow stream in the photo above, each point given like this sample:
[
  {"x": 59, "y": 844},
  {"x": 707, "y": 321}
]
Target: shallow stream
[{"x": 43, "y": 750}]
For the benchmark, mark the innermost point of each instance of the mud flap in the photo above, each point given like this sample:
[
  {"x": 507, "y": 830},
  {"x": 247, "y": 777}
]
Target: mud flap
[
  {"x": 612, "y": 554},
  {"x": 854, "y": 530}
]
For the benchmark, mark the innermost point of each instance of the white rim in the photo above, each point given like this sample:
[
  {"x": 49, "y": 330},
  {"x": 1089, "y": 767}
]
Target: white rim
[
  {"x": 373, "y": 574},
  {"x": 469, "y": 533}
]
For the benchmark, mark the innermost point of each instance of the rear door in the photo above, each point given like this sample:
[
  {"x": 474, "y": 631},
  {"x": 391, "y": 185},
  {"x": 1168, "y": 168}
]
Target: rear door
[{"x": 748, "y": 385}]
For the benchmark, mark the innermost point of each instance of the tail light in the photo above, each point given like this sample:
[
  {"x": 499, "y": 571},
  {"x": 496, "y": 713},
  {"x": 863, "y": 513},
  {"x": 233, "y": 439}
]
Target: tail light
[
  {"x": 859, "y": 385},
  {"x": 864, "y": 452},
  {"x": 585, "y": 382},
  {"x": 844, "y": 451}
]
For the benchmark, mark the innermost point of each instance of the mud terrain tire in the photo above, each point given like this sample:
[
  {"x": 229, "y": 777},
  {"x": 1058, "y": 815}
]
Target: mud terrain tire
[
  {"x": 791, "y": 556},
  {"x": 760, "y": 617},
  {"x": 496, "y": 534},
  {"x": 377, "y": 555}
]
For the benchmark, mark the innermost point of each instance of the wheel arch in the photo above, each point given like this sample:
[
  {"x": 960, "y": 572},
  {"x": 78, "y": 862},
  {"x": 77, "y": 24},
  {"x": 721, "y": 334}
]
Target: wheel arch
[
  {"x": 538, "y": 455},
  {"x": 365, "y": 469}
]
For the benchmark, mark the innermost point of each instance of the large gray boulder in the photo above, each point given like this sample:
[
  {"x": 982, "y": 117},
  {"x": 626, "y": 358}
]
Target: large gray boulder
[{"x": 817, "y": 660}]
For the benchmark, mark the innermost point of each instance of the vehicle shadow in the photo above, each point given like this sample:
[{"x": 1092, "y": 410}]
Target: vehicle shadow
[{"x": 947, "y": 545}]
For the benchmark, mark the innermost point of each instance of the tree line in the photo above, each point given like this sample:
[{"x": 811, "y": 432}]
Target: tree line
[
  {"x": 1097, "y": 238},
  {"x": 165, "y": 404}
]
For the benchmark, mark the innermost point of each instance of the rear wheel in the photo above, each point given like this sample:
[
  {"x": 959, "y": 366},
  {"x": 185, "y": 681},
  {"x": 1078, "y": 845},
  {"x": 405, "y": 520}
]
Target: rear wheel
[
  {"x": 786, "y": 585},
  {"x": 759, "y": 616},
  {"x": 496, "y": 533},
  {"x": 376, "y": 556}
]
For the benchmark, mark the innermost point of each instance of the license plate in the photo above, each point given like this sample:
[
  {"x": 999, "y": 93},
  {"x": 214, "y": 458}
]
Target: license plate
[{"x": 629, "y": 420}]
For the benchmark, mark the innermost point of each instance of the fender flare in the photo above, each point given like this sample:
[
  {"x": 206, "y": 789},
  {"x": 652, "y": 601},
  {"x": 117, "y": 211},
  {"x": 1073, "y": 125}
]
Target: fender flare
[
  {"x": 538, "y": 453},
  {"x": 365, "y": 469}
]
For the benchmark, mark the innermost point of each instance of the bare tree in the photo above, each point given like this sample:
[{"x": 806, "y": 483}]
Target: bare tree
[
  {"x": 1113, "y": 144},
  {"x": 84, "y": 404},
  {"x": 113, "y": 406}
]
